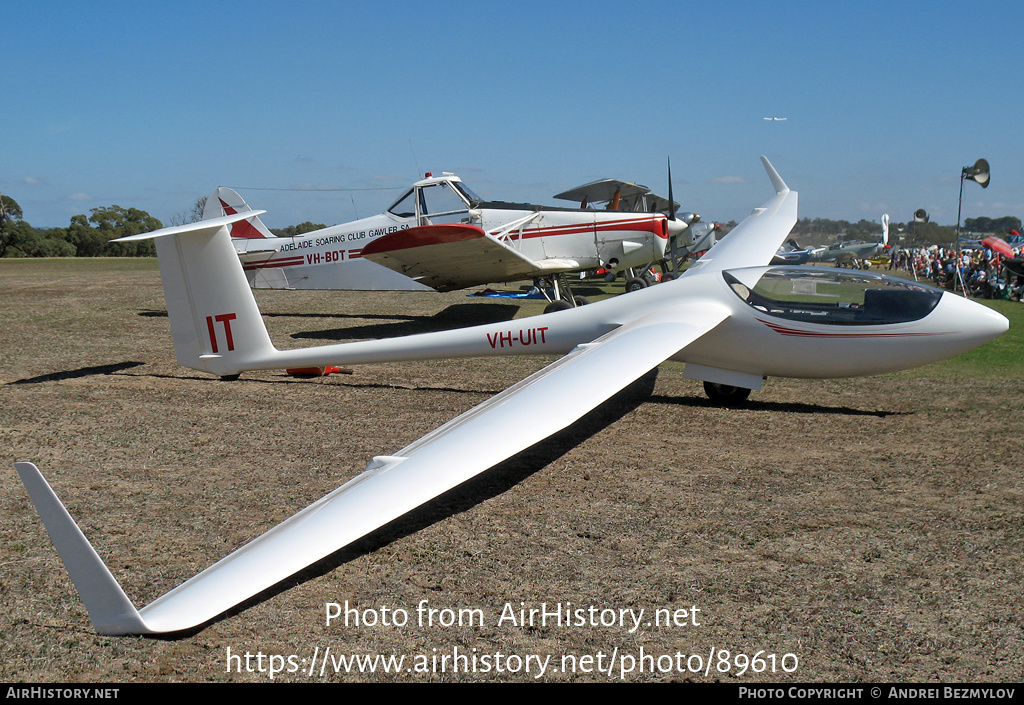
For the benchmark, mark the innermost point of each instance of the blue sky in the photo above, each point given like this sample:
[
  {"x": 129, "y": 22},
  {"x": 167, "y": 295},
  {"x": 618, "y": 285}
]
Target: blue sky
[{"x": 153, "y": 105}]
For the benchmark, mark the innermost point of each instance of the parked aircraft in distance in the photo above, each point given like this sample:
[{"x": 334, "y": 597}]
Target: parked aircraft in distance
[
  {"x": 791, "y": 252},
  {"x": 730, "y": 318},
  {"x": 854, "y": 254}
]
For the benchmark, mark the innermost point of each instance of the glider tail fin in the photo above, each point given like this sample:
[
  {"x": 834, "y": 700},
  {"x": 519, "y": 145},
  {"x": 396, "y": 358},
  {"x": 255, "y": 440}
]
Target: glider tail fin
[
  {"x": 225, "y": 201},
  {"x": 215, "y": 322},
  {"x": 109, "y": 608}
]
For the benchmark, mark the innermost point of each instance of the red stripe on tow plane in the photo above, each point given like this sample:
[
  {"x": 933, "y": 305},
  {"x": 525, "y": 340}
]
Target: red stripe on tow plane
[{"x": 270, "y": 264}]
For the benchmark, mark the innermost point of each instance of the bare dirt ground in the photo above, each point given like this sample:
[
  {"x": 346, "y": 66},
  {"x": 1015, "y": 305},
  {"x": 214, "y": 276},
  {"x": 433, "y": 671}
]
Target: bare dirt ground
[{"x": 871, "y": 529}]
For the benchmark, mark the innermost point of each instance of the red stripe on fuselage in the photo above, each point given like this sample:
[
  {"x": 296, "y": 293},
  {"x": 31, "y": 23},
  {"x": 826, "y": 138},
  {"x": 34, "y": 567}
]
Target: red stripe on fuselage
[
  {"x": 783, "y": 330},
  {"x": 650, "y": 226}
]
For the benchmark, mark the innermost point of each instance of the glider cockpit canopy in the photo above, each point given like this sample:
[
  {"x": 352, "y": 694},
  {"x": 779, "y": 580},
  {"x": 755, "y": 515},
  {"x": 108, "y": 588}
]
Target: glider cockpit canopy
[{"x": 832, "y": 296}]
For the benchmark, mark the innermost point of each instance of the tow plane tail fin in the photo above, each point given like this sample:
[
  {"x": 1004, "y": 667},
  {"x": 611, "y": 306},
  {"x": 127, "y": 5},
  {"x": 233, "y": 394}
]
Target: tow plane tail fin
[
  {"x": 215, "y": 322},
  {"x": 109, "y": 608},
  {"x": 225, "y": 201}
]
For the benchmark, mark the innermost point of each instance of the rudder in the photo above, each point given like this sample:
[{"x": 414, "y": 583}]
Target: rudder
[{"x": 216, "y": 325}]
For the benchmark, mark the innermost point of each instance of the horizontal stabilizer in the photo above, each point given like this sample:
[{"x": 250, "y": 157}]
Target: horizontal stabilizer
[{"x": 212, "y": 226}]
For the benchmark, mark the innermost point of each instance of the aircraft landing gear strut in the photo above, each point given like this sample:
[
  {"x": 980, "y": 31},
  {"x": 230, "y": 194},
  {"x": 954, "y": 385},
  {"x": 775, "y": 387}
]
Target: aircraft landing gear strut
[{"x": 561, "y": 295}]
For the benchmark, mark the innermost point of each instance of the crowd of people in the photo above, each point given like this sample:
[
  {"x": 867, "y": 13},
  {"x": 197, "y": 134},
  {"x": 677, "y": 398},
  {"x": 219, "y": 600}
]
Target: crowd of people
[{"x": 982, "y": 272}]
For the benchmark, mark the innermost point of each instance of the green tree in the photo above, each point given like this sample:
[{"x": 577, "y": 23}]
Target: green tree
[
  {"x": 31, "y": 242},
  {"x": 91, "y": 236},
  {"x": 998, "y": 226},
  {"x": 10, "y": 216},
  {"x": 301, "y": 228},
  {"x": 87, "y": 240}
]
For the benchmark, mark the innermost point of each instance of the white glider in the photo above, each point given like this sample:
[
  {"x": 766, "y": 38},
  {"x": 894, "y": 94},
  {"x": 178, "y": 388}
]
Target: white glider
[{"x": 730, "y": 318}]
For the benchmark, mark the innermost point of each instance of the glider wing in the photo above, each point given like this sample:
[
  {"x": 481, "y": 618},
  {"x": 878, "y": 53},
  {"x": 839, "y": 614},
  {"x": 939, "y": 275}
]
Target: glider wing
[{"x": 390, "y": 486}]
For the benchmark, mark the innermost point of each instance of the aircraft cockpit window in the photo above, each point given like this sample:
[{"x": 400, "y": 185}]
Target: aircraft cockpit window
[
  {"x": 839, "y": 297},
  {"x": 440, "y": 199},
  {"x": 467, "y": 193},
  {"x": 405, "y": 207}
]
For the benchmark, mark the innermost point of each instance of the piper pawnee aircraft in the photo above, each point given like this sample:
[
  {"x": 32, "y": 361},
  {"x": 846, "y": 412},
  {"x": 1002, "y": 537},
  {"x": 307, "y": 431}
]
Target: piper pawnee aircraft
[
  {"x": 729, "y": 317},
  {"x": 441, "y": 236}
]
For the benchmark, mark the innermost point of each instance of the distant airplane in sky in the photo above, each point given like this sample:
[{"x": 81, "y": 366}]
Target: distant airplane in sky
[{"x": 776, "y": 118}]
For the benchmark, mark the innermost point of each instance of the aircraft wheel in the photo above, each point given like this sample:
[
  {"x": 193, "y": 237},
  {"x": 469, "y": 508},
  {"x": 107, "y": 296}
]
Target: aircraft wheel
[
  {"x": 230, "y": 378},
  {"x": 725, "y": 393},
  {"x": 667, "y": 277},
  {"x": 636, "y": 284},
  {"x": 559, "y": 305},
  {"x": 581, "y": 300}
]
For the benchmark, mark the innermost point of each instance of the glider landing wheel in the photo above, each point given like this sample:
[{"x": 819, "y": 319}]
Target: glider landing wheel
[
  {"x": 230, "y": 378},
  {"x": 558, "y": 305},
  {"x": 725, "y": 393}
]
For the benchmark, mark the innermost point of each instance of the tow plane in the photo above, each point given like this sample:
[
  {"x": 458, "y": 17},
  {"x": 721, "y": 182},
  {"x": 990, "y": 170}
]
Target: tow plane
[
  {"x": 439, "y": 235},
  {"x": 731, "y": 318}
]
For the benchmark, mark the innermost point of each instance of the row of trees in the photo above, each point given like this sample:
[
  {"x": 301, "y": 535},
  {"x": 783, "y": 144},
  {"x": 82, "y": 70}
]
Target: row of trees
[
  {"x": 85, "y": 236},
  {"x": 90, "y": 236},
  {"x": 999, "y": 227},
  {"x": 822, "y": 231}
]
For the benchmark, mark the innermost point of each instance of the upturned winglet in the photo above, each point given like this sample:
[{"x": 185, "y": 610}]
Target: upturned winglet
[
  {"x": 777, "y": 183},
  {"x": 109, "y": 608}
]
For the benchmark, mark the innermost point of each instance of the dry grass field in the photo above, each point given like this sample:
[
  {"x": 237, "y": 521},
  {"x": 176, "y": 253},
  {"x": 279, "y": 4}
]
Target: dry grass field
[{"x": 850, "y": 530}]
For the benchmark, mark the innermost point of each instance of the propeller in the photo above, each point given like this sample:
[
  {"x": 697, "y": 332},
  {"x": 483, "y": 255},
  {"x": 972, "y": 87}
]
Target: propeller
[
  {"x": 676, "y": 226},
  {"x": 671, "y": 203}
]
